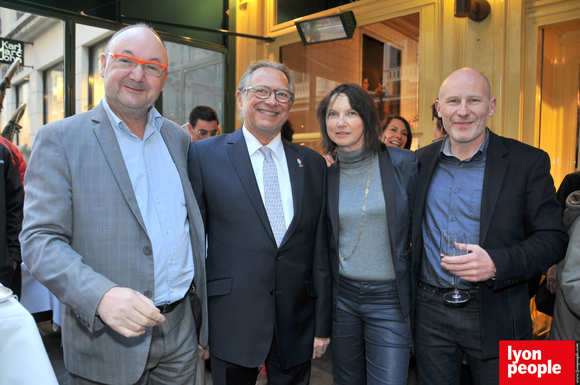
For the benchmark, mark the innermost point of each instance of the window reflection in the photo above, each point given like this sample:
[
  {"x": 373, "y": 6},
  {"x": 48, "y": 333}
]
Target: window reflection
[
  {"x": 195, "y": 78},
  {"x": 384, "y": 53},
  {"x": 22, "y": 96},
  {"x": 96, "y": 81},
  {"x": 54, "y": 94}
]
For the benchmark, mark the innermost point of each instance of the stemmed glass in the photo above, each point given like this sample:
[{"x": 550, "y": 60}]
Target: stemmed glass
[{"x": 449, "y": 239}]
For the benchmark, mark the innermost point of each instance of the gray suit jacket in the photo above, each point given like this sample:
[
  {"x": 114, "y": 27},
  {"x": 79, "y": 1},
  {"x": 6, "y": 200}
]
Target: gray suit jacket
[{"x": 83, "y": 234}]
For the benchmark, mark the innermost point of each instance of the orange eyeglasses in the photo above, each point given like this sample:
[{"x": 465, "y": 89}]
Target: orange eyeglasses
[{"x": 128, "y": 63}]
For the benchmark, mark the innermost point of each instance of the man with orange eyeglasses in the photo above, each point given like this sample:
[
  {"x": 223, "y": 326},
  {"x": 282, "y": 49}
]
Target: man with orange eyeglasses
[{"x": 111, "y": 229}]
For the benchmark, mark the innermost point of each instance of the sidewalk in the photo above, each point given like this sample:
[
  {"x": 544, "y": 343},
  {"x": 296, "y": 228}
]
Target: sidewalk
[{"x": 321, "y": 367}]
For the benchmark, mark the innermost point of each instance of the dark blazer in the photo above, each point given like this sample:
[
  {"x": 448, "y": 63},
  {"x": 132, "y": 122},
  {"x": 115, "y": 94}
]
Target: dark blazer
[
  {"x": 398, "y": 176},
  {"x": 520, "y": 228},
  {"x": 11, "y": 201},
  {"x": 254, "y": 286},
  {"x": 570, "y": 184}
]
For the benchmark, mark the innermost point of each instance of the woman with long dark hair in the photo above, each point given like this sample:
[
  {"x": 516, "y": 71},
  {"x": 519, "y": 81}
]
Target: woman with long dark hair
[{"x": 371, "y": 191}]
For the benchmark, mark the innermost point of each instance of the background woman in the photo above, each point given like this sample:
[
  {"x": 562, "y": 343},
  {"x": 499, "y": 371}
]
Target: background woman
[
  {"x": 397, "y": 132},
  {"x": 371, "y": 191}
]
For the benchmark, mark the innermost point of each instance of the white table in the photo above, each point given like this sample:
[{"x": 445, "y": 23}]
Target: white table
[{"x": 23, "y": 358}]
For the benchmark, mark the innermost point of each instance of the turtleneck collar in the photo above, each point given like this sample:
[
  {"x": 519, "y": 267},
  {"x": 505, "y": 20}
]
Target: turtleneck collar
[{"x": 352, "y": 158}]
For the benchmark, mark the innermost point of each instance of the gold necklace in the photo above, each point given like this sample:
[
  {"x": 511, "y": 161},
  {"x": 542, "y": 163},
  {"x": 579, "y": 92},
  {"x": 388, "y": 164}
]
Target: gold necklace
[{"x": 362, "y": 218}]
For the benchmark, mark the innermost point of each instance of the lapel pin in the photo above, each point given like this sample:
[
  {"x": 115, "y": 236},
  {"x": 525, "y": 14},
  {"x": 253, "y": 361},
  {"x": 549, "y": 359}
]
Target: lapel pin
[{"x": 299, "y": 162}]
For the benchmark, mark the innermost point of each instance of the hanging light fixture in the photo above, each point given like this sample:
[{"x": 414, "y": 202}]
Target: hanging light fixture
[{"x": 324, "y": 29}]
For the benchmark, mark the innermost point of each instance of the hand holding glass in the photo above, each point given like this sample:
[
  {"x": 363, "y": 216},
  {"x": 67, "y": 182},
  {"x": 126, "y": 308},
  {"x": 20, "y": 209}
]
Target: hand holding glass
[{"x": 449, "y": 239}]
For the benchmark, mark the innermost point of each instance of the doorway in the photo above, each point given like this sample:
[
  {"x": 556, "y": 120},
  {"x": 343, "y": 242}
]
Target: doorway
[{"x": 559, "y": 85}]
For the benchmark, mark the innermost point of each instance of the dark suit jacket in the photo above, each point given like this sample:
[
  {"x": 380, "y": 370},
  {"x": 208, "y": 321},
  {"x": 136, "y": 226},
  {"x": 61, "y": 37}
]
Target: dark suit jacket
[
  {"x": 11, "y": 201},
  {"x": 521, "y": 229},
  {"x": 254, "y": 286},
  {"x": 398, "y": 176},
  {"x": 570, "y": 184}
]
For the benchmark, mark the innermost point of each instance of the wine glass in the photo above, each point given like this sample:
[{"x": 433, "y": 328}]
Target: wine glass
[{"x": 449, "y": 238}]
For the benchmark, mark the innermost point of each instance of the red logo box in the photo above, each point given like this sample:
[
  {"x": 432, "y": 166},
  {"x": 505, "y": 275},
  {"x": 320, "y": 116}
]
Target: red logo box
[{"x": 537, "y": 362}]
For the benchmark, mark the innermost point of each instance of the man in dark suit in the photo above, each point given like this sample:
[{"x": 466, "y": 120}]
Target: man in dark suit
[
  {"x": 500, "y": 193},
  {"x": 11, "y": 200},
  {"x": 263, "y": 201}
]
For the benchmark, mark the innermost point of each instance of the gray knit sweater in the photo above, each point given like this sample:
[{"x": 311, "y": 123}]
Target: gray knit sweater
[{"x": 372, "y": 260}]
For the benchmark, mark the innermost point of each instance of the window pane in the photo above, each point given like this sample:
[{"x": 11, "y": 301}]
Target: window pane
[
  {"x": 172, "y": 95},
  {"x": 204, "y": 87},
  {"x": 97, "y": 89},
  {"x": 32, "y": 79},
  {"x": 54, "y": 94},
  {"x": 23, "y": 97},
  {"x": 384, "y": 53},
  {"x": 195, "y": 78}
]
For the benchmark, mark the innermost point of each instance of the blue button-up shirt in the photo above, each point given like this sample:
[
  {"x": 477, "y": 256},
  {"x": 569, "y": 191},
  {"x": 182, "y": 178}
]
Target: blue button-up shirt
[
  {"x": 453, "y": 202},
  {"x": 161, "y": 200}
]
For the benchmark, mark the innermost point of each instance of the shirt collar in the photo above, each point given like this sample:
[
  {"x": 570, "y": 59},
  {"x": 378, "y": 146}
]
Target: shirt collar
[
  {"x": 154, "y": 121},
  {"x": 446, "y": 148},
  {"x": 254, "y": 144}
]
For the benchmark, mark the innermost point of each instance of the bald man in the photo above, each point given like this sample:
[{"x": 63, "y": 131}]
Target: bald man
[{"x": 499, "y": 192}]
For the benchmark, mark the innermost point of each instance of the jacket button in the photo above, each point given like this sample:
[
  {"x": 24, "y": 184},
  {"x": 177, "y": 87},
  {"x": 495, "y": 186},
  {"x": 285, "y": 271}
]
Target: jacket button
[
  {"x": 271, "y": 291},
  {"x": 278, "y": 257},
  {"x": 148, "y": 293},
  {"x": 147, "y": 250}
]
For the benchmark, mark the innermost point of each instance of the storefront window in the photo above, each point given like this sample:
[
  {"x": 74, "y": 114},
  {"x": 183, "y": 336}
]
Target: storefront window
[
  {"x": 53, "y": 94},
  {"x": 22, "y": 96},
  {"x": 96, "y": 81},
  {"x": 195, "y": 78},
  {"x": 382, "y": 57}
]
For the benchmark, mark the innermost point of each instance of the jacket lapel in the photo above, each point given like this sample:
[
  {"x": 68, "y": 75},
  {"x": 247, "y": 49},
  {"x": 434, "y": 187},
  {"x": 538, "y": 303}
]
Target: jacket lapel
[
  {"x": 297, "y": 181},
  {"x": 333, "y": 175},
  {"x": 238, "y": 152},
  {"x": 427, "y": 168},
  {"x": 495, "y": 168},
  {"x": 110, "y": 147},
  {"x": 390, "y": 194}
]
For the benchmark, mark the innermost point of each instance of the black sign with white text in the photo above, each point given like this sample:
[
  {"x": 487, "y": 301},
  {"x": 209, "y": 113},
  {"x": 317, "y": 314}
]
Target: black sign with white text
[{"x": 10, "y": 50}]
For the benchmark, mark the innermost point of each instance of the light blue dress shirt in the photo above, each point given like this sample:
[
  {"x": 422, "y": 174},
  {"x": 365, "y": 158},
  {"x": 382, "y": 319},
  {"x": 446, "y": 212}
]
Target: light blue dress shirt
[
  {"x": 161, "y": 200},
  {"x": 453, "y": 202}
]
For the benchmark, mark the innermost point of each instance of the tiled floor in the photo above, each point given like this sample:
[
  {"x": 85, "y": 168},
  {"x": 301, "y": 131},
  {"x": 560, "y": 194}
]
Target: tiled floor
[{"x": 321, "y": 367}]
